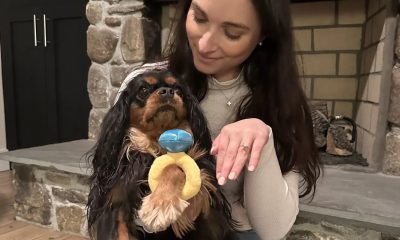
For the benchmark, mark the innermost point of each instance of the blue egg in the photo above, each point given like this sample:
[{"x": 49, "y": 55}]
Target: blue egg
[{"x": 176, "y": 140}]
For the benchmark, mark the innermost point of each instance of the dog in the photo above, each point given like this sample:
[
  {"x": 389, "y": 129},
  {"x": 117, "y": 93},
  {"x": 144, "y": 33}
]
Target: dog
[{"x": 152, "y": 103}]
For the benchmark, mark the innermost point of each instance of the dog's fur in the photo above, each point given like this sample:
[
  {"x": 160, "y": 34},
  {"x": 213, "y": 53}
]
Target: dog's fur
[{"x": 127, "y": 146}]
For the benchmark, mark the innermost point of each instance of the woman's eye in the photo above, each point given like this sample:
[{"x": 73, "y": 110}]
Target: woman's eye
[
  {"x": 199, "y": 19},
  {"x": 232, "y": 36}
]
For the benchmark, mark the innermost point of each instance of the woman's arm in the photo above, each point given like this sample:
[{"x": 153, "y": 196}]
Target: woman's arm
[{"x": 271, "y": 200}]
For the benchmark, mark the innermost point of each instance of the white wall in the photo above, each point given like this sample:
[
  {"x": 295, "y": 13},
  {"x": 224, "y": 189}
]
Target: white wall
[{"x": 3, "y": 145}]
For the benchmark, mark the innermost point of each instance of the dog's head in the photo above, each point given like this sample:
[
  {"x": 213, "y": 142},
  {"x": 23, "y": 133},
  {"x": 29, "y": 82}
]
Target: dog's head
[{"x": 156, "y": 103}]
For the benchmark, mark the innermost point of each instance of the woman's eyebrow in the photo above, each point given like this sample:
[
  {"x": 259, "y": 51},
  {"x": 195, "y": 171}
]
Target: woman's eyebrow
[
  {"x": 236, "y": 25},
  {"x": 198, "y": 9}
]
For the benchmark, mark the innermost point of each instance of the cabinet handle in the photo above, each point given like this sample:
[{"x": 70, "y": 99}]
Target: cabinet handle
[
  {"x": 35, "y": 41},
  {"x": 44, "y": 30}
]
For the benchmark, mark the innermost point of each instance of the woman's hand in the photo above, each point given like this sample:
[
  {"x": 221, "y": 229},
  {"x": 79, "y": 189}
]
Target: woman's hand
[{"x": 236, "y": 144}]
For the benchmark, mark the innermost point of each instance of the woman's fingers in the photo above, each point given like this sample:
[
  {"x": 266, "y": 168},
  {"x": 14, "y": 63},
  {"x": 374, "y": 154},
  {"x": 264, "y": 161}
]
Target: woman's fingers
[
  {"x": 242, "y": 157},
  {"x": 214, "y": 147},
  {"x": 228, "y": 161},
  {"x": 237, "y": 144},
  {"x": 219, "y": 152},
  {"x": 256, "y": 150},
  {"x": 214, "y": 151}
]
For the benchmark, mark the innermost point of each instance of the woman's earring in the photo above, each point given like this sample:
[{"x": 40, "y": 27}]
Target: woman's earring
[{"x": 260, "y": 44}]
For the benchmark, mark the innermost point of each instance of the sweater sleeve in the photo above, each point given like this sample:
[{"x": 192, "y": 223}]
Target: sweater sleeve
[{"x": 271, "y": 200}]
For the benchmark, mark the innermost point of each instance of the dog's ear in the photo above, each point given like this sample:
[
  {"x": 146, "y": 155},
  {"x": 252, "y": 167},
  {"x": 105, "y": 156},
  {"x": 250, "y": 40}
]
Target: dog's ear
[
  {"x": 113, "y": 131},
  {"x": 104, "y": 156}
]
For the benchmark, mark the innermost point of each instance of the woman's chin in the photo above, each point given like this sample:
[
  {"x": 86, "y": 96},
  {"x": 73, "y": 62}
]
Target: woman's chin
[{"x": 204, "y": 68}]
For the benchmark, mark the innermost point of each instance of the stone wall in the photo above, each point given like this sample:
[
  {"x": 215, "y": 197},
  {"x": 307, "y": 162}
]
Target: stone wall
[
  {"x": 51, "y": 198},
  {"x": 324, "y": 230},
  {"x": 371, "y": 114},
  {"x": 342, "y": 52},
  {"x": 328, "y": 44},
  {"x": 391, "y": 164},
  {"x": 119, "y": 38}
]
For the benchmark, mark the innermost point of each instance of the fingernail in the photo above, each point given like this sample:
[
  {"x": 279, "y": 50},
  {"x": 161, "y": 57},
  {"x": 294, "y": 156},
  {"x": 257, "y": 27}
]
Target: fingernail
[
  {"x": 251, "y": 168},
  {"x": 221, "y": 181},
  {"x": 212, "y": 151},
  {"x": 232, "y": 176},
  {"x": 218, "y": 174}
]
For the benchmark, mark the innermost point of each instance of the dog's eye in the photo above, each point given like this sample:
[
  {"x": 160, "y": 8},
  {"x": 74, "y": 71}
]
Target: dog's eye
[{"x": 143, "y": 92}]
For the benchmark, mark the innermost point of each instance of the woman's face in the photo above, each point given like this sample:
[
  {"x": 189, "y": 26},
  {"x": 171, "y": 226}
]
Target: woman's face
[{"x": 222, "y": 34}]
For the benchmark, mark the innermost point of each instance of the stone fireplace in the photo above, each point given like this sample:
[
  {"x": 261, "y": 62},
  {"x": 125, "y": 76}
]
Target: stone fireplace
[
  {"x": 345, "y": 52},
  {"x": 349, "y": 57}
]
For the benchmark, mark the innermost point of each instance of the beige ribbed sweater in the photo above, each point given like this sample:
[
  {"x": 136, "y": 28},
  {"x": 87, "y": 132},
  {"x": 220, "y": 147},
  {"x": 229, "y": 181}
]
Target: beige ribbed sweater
[{"x": 271, "y": 200}]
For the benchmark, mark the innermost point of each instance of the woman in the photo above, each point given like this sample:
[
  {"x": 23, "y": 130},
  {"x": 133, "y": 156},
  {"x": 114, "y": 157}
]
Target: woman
[
  {"x": 237, "y": 56},
  {"x": 239, "y": 61}
]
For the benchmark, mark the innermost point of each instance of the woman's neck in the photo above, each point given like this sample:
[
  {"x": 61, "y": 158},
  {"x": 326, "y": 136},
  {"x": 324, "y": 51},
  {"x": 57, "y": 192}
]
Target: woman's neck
[{"x": 227, "y": 76}]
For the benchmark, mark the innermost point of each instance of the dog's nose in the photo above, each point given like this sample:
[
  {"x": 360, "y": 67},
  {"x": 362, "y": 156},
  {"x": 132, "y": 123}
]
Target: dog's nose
[{"x": 165, "y": 93}]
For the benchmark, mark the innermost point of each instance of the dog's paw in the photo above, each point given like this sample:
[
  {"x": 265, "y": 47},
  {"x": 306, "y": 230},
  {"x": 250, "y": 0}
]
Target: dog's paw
[{"x": 157, "y": 215}]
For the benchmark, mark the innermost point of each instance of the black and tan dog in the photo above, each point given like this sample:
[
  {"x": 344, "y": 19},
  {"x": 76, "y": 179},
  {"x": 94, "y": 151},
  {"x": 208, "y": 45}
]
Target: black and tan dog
[{"x": 127, "y": 146}]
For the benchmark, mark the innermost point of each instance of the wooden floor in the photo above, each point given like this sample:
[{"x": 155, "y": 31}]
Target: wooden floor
[{"x": 10, "y": 229}]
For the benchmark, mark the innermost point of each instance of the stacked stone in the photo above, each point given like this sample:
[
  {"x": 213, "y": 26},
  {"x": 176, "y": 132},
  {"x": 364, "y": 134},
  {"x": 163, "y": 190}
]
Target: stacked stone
[
  {"x": 51, "y": 198},
  {"x": 305, "y": 229},
  {"x": 118, "y": 39},
  {"x": 391, "y": 163}
]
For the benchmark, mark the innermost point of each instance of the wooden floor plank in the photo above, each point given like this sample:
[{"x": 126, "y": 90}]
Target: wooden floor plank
[
  {"x": 28, "y": 232},
  {"x": 52, "y": 235},
  {"x": 12, "y": 226},
  {"x": 75, "y": 238}
]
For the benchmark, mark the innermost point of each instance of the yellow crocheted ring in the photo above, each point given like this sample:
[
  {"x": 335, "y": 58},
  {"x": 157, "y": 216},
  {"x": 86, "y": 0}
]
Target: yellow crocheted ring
[{"x": 186, "y": 163}]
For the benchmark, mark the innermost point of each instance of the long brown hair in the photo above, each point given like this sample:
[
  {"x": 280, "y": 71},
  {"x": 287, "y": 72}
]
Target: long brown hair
[{"x": 275, "y": 96}]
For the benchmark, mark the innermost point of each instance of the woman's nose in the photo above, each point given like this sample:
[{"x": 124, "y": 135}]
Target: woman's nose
[{"x": 206, "y": 43}]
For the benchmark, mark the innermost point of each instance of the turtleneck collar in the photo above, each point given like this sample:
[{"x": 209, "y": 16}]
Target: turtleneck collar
[{"x": 213, "y": 83}]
